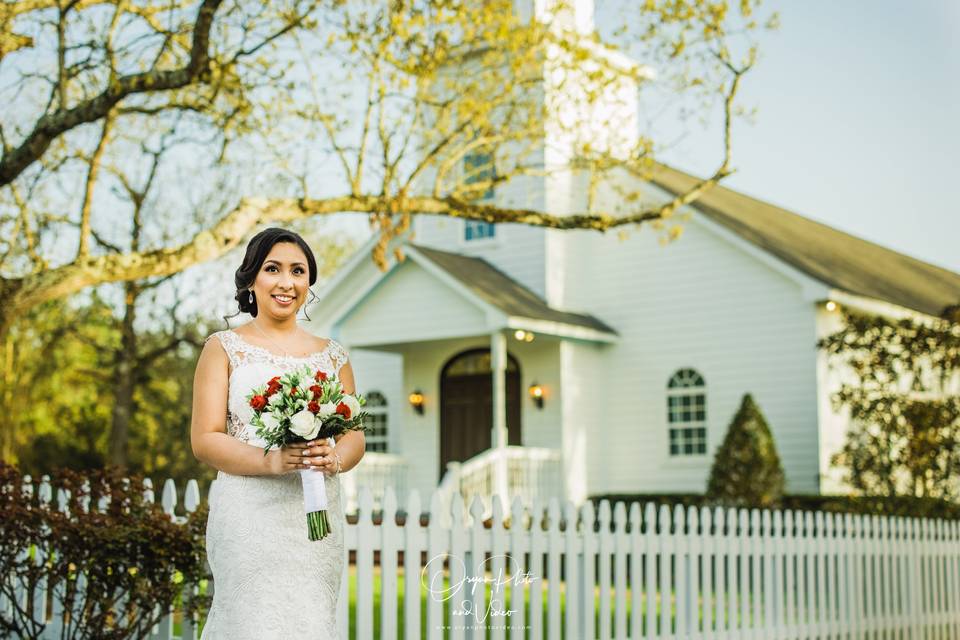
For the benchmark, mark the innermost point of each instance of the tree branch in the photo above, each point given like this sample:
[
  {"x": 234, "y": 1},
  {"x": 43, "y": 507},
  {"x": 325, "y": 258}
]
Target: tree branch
[
  {"x": 94, "y": 169},
  {"x": 52, "y": 125}
]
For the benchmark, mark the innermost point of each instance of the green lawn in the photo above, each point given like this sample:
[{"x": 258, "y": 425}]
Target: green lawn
[
  {"x": 466, "y": 620},
  {"x": 506, "y": 594}
]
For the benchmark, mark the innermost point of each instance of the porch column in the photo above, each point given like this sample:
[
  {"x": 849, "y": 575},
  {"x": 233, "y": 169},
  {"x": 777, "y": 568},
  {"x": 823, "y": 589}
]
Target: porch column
[{"x": 498, "y": 364}]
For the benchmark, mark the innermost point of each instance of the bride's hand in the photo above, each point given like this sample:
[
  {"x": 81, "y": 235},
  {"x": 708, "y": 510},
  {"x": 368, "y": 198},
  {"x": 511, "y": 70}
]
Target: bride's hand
[
  {"x": 318, "y": 454},
  {"x": 288, "y": 459}
]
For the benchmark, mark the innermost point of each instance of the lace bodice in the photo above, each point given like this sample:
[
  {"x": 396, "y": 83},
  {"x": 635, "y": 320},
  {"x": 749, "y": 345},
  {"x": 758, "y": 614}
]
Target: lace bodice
[{"x": 251, "y": 366}]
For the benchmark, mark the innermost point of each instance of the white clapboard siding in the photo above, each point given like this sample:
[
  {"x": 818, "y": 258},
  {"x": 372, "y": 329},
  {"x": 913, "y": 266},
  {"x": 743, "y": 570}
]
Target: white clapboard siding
[{"x": 616, "y": 573}]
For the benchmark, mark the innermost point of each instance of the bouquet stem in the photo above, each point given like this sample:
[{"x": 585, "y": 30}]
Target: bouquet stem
[
  {"x": 315, "y": 503},
  {"x": 317, "y": 525}
]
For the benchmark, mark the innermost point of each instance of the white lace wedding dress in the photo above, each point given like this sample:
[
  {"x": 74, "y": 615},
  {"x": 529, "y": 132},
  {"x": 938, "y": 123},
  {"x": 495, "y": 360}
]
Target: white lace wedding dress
[{"x": 270, "y": 581}]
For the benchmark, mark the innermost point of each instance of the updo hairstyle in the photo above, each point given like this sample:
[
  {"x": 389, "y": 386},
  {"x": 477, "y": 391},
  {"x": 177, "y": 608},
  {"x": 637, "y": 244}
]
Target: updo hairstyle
[{"x": 257, "y": 251}]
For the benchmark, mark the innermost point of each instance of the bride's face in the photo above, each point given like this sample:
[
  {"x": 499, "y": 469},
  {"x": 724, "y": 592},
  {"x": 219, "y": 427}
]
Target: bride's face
[{"x": 282, "y": 282}]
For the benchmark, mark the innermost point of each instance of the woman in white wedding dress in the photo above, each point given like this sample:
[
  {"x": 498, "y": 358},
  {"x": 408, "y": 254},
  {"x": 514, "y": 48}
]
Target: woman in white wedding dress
[{"x": 270, "y": 581}]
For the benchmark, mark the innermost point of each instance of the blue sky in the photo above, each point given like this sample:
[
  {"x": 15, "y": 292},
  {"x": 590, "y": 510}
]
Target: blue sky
[{"x": 858, "y": 122}]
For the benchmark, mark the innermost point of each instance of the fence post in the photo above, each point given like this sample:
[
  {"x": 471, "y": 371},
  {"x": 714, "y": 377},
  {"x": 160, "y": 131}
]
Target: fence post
[
  {"x": 665, "y": 589},
  {"x": 44, "y": 495},
  {"x": 498, "y": 569},
  {"x": 388, "y": 535},
  {"x": 168, "y": 500},
  {"x": 413, "y": 538},
  {"x": 585, "y": 585},
  {"x": 914, "y": 552},
  {"x": 722, "y": 554},
  {"x": 886, "y": 563},
  {"x": 790, "y": 577},
  {"x": 778, "y": 589},
  {"x": 436, "y": 548},
  {"x": 606, "y": 551},
  {"x": 476, "y": 568},
  {"x": 621, "y": 548},
  {"x": 573, "y": 566},
  {"x": 519, "y": 546},
  {"x": 55, "y": 625},
  {"x": 766, "y": 531},
  {"x": 458, "y": 567},
  {"x": 650, "y": 567},
  {"x": 536, "y": 569},
  {"x": 554, "y": 549},
  {"x": 733, "y": 567},
  {"x": 191, "y": 624},
  {"x": 365, "y": 543},
  {"x": 638, "y": 583}
]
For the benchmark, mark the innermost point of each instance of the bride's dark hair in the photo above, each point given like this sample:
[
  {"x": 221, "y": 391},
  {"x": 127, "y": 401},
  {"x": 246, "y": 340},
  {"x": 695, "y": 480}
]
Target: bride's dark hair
[{"x": 257, "y": 250}]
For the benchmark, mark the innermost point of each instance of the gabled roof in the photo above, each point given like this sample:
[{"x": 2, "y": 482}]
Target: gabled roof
[
  {"x": 833, "y": 257},
  {"x": 503, "y": 292}
]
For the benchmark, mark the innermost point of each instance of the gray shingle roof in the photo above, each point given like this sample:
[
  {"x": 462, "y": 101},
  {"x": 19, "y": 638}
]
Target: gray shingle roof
[
  {"x": 833, "y": 257},
  {"x": 503, "y": 292}
]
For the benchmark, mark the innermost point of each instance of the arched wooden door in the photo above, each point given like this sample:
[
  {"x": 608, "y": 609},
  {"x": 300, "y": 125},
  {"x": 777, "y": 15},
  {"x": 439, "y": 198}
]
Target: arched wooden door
[{"x": 466, "y": 405}]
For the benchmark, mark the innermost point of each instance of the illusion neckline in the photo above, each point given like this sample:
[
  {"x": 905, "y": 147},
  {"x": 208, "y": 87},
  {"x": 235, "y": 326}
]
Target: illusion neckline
[{"x": 276, "y": 355}]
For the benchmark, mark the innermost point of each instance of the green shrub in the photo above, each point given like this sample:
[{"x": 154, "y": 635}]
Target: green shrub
[
  {"x": 116, "y": 569},
  {"x": 746, "y": 470}
]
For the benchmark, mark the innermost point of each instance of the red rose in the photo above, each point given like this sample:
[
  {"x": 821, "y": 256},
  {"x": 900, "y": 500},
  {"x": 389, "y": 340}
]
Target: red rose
[
  {"x": 273, "y": 386},
  {"x": 343, "y": 410},
  {"x": 313, "y": 406},
  {"x": 258, "y": 402},
  {"x": 320, "y": 377},
  {"x": 316, "y": 390}
]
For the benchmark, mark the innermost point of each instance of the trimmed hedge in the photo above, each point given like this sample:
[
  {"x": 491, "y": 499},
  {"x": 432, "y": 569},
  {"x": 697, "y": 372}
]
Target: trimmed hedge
[{"x": 907, "y": 506}]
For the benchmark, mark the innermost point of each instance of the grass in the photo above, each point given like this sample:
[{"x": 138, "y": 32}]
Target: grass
[
  {"x": 468, "y": 620},
  {"x": 506, "y": 596}
]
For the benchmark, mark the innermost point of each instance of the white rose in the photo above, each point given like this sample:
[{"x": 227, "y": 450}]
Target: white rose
[
  {"x": 275, "y": 399},
  {"x": 270, "y": 421},
  {"x": 327, "y": 409},
  {"x": 352, "y": 403},
  {"x": 304, "y": 424}
]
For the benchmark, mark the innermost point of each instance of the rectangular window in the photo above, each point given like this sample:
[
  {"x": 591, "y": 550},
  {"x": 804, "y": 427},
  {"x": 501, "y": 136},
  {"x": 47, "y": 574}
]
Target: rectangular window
[
  {"x": 376, "y": 432},
  {"x": 688, "y": 441},
  {"x": 687, "y": 414},
  {"x": 476, "y": 229},
  {"x": 478, "y": 167}
]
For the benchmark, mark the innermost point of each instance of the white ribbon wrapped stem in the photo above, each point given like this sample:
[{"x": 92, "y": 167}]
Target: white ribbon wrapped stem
[{"x": 314, "y": 490}]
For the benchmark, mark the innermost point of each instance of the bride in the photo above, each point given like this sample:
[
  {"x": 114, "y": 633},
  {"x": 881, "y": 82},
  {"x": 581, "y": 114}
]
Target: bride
[{"x": 270, "y": 581}]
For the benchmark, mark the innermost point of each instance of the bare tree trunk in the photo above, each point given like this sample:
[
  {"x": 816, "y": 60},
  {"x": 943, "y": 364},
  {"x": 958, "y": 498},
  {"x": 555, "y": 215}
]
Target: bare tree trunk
[
  {"x": 9, "y": 430},
  {"x": 125, "y": 363}
]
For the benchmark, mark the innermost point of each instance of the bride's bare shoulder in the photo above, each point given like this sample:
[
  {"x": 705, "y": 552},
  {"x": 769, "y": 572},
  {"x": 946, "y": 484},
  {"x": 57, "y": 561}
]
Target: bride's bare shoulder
[{"x": 315, "y": 342}]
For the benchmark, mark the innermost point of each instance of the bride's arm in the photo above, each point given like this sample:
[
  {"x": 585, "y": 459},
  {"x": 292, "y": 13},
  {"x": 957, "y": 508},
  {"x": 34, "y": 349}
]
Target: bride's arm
[{"x": 211, "y": 444}]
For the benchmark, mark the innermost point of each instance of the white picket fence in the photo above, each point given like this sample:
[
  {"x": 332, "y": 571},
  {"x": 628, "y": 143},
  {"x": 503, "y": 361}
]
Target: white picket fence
[{"x": 567, "y": 572}]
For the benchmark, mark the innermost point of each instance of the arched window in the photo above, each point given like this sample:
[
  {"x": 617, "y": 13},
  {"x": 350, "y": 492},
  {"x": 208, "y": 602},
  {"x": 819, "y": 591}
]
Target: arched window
[
  {"x": 376, "y": 422},
  {"x": 687, "y": 413}
]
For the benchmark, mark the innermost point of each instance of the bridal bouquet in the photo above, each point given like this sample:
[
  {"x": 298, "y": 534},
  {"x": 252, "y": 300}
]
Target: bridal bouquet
[{"x": 299, "y": 406}]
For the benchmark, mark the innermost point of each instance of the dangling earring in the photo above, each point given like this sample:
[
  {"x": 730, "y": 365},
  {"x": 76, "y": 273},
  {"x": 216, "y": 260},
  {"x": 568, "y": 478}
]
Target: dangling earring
[
  {"x": 304, "y": 306},
  {"x": 250, "y": 297}
]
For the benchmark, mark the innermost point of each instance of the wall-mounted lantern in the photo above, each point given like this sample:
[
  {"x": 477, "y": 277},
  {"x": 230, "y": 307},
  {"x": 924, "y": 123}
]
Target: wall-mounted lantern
[
  {"x": 416, "y": 401},
  {"x": 536, "y": 393}
]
